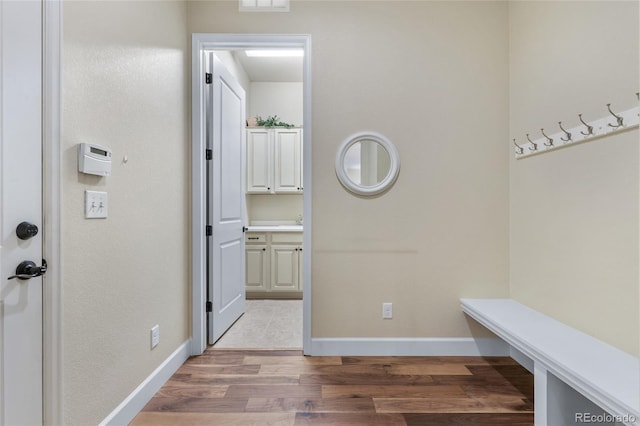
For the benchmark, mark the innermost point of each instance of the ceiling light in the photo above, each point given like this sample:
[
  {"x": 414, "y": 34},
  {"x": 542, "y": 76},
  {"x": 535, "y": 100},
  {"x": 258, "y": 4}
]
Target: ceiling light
[{"x": 279, "y": 53}]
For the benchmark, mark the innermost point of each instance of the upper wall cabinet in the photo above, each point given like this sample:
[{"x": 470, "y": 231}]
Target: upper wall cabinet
[{"x": 274, "y": 161}]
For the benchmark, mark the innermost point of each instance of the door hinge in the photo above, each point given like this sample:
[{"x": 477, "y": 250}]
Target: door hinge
[
  {"x": 208, "y": 78},
  {"x": 208, "y": 230},
  {"x": 208, "y": 154},
  {"x": 209, "y": 307}
]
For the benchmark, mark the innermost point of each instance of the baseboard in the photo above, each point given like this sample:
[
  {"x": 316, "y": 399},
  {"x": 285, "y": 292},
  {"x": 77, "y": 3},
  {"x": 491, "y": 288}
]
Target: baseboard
[
  {"x": 465, "y": 346},
  {"x": 131, "y": 406}
]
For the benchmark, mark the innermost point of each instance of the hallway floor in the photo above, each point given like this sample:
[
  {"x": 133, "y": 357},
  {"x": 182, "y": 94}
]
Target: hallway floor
[
  {"x": 266, "y": 324},
  {"x": 283, "y": 387}
]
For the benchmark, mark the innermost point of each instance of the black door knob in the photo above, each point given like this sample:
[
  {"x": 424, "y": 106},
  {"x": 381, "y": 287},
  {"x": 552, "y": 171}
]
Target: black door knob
[{"x": 26, "y": 230}]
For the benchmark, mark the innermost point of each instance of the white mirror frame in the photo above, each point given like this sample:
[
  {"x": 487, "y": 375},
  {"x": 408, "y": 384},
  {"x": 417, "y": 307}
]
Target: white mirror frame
[{"x": 386, "y": 183}]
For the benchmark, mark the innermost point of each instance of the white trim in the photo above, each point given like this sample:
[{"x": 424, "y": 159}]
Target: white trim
[
  {"x": 462, "y": 346},
  {"x": 540, "y": 394},
  {"x": 198, "y": 214},
  {"x": 52, "y": 205},
  {"x": 521, "y": 359},
  {"x": 199, "y": 43},
  {"x": 135, "y": 402}
]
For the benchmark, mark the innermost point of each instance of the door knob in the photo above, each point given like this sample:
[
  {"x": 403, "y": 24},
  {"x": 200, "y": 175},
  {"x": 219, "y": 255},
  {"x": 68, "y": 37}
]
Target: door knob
[
  {"x": 29, "y": 269},
  {"x": 26, "y": 230}
]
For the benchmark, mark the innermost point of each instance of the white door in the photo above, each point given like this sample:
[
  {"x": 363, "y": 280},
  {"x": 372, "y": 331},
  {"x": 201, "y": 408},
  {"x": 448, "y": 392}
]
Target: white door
[
  {"x": 226, "y": 255},
  {"x": 20, "y": 201}
]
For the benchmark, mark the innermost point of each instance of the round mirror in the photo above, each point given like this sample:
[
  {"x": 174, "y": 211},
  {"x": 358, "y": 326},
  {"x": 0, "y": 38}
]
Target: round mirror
[{"x": 367, "y": 163}]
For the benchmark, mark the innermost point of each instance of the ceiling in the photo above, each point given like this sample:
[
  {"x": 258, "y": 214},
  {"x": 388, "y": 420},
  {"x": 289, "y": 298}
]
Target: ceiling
[{"x": 272, "y": 70}]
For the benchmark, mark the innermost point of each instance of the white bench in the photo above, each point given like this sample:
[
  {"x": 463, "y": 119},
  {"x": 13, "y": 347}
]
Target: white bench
[{"x": 572, "y": 370}]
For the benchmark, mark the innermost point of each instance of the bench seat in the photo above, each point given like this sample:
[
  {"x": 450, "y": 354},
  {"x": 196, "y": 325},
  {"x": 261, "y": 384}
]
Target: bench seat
[{"x": 605, "y": 375}]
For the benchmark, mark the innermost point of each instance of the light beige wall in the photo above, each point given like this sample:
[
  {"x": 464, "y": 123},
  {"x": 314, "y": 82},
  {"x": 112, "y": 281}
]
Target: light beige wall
[
  {"x": 433, "y": 77},
  {"x": 125, "y": 86},
  {"x": 281, "y": 99},
  {"x": 574, "y": 212},
  {"x": 274, "y": 207}
]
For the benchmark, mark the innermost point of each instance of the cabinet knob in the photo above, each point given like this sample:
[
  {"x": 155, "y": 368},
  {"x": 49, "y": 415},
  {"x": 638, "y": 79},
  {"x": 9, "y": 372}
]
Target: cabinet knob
[{"x": 264, "y": 249}]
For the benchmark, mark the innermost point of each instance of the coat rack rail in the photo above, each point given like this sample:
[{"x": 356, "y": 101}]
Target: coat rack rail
[{"x": 586, "y": 131}]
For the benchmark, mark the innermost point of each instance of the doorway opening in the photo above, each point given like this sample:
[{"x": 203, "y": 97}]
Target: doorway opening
[{"x": 276, "y": 190}]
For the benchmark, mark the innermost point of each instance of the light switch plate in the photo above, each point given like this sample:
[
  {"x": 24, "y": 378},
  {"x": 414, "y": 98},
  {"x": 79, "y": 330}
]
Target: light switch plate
[{"x": 95, "y": 204}]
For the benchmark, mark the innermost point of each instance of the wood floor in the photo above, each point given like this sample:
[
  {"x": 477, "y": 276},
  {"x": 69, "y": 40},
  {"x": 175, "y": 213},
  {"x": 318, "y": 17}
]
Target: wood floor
[{"x": 264, "y": 387}]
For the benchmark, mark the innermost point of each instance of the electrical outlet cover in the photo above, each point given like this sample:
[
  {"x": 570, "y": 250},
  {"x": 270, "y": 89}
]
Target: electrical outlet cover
[
  {"x": 155, "y": 336},
  {"x": 387, "y": 310}
]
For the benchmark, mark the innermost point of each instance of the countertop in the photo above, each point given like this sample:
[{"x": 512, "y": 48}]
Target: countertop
[{"x": 275, "y": 228}]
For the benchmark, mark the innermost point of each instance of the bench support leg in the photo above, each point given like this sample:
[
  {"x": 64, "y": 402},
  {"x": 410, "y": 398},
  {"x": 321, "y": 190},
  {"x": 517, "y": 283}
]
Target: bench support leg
[{"x": 540, "y": 394}]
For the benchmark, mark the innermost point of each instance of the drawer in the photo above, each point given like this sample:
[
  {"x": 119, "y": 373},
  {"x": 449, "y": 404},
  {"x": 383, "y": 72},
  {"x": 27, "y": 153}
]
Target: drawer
[
  {"x": 250, "y": 237},
  {"x": 286, "y": 237}
]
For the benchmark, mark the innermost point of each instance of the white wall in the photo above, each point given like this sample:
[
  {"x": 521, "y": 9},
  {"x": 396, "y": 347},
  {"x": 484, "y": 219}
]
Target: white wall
[
  {"x": 574, "y": 212},
  {"x": 281, "y": 99},
  {"x": 125, "y": 87},
  {"x": 274, "y": 207},
  {"x": 435, "y": 81}
]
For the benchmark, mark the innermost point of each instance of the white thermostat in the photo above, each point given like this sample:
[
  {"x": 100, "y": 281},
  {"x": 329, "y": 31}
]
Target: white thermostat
[{"x": 94, "y": 159}]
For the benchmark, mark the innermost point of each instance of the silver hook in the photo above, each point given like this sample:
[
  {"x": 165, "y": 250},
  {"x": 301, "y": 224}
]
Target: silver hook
[
  {"x": 519, "y": 149},
  {"x": 618, "y": 118},
  {"x": 589, "y": 128},
  {"x": 565, "y": 132},
  {"x": 550, "y": 143},
  {"x": 535, "y": 145}
]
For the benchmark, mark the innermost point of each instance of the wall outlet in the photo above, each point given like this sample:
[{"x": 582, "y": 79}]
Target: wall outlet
[
  {"x": 387, "y": 310},
  {"x": 155, "y": 336}
]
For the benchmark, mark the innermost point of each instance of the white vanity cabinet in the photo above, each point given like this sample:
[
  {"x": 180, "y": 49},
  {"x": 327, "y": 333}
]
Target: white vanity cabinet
[
  {"x": 257, "y": 262},
  {"x": 274, "y": 160},
  {"x": 274, "y": 264}
]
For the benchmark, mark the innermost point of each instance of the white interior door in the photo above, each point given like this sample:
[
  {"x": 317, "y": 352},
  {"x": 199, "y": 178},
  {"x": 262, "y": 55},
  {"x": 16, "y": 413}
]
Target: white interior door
[
  {"x": 20, "y": 201},
  {"x": 226, "y": 255}
]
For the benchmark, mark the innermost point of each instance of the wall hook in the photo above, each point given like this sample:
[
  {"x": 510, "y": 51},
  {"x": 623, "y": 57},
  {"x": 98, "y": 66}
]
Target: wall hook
[
  {"x": 568, "y": 138},
  {"x": 550, "y": 143},
  {"x": 618, "y": 118},
  {"x": 589, "y": 128},
  {"x": 519, "y": 149},
  {"x": 535, "y": 145}
]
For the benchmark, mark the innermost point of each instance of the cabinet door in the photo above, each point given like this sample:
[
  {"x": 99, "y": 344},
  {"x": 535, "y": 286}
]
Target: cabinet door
[
  {"x": 287, "y": 146},
  {"x": 259, "y": 161},
  {"x": 284, "y": 268},
  {"x": 257, "y": 261}
]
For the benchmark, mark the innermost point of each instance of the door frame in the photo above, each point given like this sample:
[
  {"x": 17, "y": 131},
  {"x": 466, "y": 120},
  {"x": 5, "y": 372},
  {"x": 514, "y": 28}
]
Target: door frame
[
  {"x": 52, "y": 210},
  {"x": 202, "y": 42}
]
